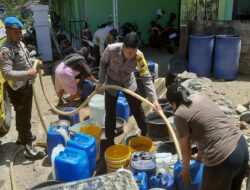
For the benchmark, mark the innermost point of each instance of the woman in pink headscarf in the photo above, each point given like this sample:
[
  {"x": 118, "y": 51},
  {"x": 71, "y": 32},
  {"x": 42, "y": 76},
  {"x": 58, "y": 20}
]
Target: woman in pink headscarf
[{"x": 72, "y": 66}]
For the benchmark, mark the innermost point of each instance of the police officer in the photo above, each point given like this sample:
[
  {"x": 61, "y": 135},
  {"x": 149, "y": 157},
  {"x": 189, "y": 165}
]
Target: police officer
[
  {"x": 101, "y": 39},
  {"x": 118, "y": 64},
  {"x": 16, "y": 68}
]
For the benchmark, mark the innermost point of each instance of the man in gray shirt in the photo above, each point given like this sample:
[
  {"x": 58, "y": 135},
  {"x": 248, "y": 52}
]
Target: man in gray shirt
[
  {"x": 101, "y": 39},
  {"x": 118, "y": 65},
  {"x": 16, "y": 68}
]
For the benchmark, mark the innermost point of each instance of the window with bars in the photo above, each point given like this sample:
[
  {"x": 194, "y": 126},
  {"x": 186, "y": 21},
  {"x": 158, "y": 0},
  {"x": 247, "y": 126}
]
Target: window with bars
[
  {"x": 199, "y": 10},
  {"x": 241, "y": 10}
]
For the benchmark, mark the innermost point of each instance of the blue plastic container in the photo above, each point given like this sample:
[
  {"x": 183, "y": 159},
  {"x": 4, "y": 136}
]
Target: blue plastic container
[
  {"x": 86, "y": 87},
  {"x": 122, "y": 108},
  {"x": 200, "y": 54},
  {"x": 196, "y": 171},
  {"x": 121, "y": 94},
  {"x": 141, "y": 180},
  {"x": 54, "y": 138},
  {"x": 88, "y": 144},
  {"x": 151, "y": 66},
  {"x": 164, "y": 181},
  {"x": 227, "y": 56},
  {"x": 143, "y": 162},
  {"x": 71, "y": 165},
  {"x": 73, "y": 119}
]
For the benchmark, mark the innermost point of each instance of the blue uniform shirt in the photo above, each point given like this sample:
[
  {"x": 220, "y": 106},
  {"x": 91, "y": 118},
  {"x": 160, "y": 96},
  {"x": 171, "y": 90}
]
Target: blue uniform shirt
[{"x": 13, "y": 22}]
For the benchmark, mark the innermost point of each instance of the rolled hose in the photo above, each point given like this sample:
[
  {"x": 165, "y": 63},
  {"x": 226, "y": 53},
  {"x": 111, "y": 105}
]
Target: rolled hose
[{"x": 12, "y": 176}]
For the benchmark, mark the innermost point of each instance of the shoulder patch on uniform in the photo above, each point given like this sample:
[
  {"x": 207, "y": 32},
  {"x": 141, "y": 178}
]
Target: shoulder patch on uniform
[
  {"x": 5, "y": 55},
  {"x": 142, "y": 65}
]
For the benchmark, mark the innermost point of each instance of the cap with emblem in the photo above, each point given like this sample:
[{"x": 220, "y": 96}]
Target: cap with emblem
[{"x": 13, "y": 22}]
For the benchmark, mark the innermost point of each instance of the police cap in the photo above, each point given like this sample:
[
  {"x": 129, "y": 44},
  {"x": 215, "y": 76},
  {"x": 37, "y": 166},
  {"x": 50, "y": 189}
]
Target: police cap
[{"x": 13, "y": 22}]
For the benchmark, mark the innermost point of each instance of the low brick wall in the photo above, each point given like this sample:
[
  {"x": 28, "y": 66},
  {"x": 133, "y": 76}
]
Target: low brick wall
[{"x": 238, "y": 27}]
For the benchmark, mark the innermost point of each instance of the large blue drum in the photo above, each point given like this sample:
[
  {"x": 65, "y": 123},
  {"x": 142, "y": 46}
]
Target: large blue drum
[
  {"x": 200, "y": 54},
  {"x": 226, "y": 56}
]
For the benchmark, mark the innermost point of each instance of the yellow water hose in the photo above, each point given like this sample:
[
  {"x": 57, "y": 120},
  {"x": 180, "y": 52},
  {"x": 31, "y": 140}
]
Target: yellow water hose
[{"x": 12, "y": 176}]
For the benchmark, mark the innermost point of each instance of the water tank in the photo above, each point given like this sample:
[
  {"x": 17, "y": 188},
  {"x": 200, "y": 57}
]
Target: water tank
[
  {"x": 200, "y": 54},
  {"x": 226, "y": 56}
]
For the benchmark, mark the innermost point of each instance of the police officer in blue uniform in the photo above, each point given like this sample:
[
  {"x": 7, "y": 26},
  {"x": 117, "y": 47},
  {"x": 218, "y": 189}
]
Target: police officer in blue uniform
[{"x": 16, "y": 68}]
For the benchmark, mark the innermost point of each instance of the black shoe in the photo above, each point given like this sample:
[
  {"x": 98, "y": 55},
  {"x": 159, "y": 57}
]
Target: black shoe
[
  {"x": 144, "y": 133},
  {"x": 32, "y": 153},
  {"x": 19, "y": 141}
]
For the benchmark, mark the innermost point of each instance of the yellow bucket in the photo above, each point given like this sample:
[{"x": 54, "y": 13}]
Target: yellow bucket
[
  {"x": 139, "y": 144},
  {"x": 94, "y": 131},
  {"x": 117, "y": 156}
]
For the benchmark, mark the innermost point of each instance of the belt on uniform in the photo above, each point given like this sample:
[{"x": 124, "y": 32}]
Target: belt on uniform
[{"x": 19, "y": 84}]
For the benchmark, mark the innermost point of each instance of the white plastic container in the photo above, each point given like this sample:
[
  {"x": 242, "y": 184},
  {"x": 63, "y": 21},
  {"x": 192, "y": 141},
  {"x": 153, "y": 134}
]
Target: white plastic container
[
  {"x": 163, "y": 161},
  {"x": 97, "y": 98},
  {"x": 55, "y": 152},
  {"x": 97, "y": 110}
]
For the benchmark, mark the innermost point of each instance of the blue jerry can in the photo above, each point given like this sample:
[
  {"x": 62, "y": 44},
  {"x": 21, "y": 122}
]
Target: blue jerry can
[
  {"x": 164, "y": 181},
  {"x": 71, "y": 165},
  {"x": 143, "y": 162},
  {"x": 196, "y": 171},
  {"x": 54, "y": 138},
  {"x": 88, "y": 144},
  {"x": 122, "y": 108},
  {"x": 141, "y": 180}
]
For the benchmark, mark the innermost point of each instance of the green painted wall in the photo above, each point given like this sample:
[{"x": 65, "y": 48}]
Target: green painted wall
[
  {"x": 225, "y": 9},
  {"x": 98, "y": 12},
  {"x": 140, "y": 11}
]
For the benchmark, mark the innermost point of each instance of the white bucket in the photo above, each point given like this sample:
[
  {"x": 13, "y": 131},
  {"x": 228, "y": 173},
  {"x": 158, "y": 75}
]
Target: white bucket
[{"x": 97, "y": 109}]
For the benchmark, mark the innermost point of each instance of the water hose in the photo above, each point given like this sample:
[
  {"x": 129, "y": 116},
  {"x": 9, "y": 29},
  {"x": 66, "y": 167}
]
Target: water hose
[
  {"x": 77, "y": 110},
  {"x": 102, "y": 89}
]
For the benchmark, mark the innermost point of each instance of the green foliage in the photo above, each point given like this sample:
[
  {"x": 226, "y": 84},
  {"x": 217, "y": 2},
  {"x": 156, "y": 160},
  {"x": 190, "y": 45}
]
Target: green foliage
[{"x": 11, "y": 6}]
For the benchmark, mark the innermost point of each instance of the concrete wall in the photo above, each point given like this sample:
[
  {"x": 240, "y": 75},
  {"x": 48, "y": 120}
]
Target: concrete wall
[{"x": 238, "y": 27}]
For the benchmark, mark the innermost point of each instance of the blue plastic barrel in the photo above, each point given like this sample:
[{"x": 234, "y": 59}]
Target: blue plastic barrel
[
  {"x": 164, "y": 181},
  {"x": 122, "y": 108},
  {"x": 73, "y": 119},
  {"x": 226, "y": 56},
  {"x": 141, "y": 180},
  {"x": 196, "y": 171},
  {"x": 71, "y": 165},
  {"x": 86, "y": 87},
  {"x": 88, "y": 144},
  {"x": 54, "y": 138},
  {"x": 200, "y": 54}
]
